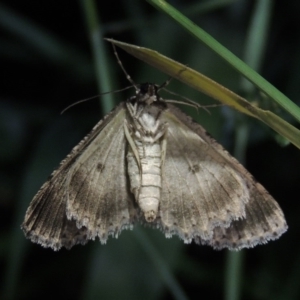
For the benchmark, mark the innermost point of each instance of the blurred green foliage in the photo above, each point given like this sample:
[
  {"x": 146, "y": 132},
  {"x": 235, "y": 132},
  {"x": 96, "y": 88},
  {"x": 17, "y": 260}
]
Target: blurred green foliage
[{"x": 50, "y": 58}]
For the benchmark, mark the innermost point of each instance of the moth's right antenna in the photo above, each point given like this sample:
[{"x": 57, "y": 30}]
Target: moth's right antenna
[{"x": 122, "y": 67}]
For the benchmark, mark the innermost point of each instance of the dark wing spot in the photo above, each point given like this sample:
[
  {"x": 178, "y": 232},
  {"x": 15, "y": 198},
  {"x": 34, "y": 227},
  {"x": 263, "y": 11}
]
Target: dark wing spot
[
  {"x": 194, "y": 169},
  {"x": 100, "y": 167}
]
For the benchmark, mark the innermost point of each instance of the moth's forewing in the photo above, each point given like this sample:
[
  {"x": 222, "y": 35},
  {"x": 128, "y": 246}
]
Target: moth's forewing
[
  {"x": 53, "y": 217},
  {"x": 205, "y": 190},
  {"x": 99, "y": 197},
  {"x": 200, "y": 189}
]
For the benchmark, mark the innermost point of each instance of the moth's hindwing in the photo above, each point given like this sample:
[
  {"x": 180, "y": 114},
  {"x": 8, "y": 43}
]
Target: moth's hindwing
[
  {"x": 87, "y": 195},
  {"x": 208, "y": 196},
  {"x": 264, "y": 221}
]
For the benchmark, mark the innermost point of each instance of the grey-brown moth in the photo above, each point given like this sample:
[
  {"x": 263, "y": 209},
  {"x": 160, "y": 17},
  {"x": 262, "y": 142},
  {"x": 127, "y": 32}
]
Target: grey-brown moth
[{"x": 149, "y": 162}]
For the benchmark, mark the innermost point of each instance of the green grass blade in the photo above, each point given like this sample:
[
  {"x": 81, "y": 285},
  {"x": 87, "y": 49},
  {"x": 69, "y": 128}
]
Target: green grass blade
[
  {"x": 161, "y": 267},
  {"x": 100, "y": 57},
  {"x": 253, "y": 55},
  {"x": 234, "y": 61},
  {"x": 256, "y": 40},
  {"x": 233, "y": 275}
]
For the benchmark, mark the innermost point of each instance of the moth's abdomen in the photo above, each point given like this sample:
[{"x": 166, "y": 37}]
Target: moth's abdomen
[
  {"x": 145, "y": 181},
  {"x": 149, "y": 195}
]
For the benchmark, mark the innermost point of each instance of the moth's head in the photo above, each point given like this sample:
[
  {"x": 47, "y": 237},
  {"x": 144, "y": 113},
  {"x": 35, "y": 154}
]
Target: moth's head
[{"x": 147, "y": 93}]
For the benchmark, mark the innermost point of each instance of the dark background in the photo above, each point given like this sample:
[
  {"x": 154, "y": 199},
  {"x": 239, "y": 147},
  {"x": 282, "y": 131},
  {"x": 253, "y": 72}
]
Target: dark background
[{"x": 46, "y": 64}]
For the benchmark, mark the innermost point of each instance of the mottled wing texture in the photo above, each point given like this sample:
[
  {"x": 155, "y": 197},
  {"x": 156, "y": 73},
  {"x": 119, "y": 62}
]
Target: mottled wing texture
[
  {"x": 87, "y": 195},
  {"x": 264, "y": 221},
  {"x": 208, "y": 196}
]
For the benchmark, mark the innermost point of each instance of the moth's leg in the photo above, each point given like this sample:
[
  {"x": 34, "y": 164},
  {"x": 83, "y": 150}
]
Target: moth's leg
[
  {"x": 131, "y": 143},
  {"x": 131, "y": 108},
  {"x": 164, "y": 146},
  {"x": 161, "y": 131},
  {"x": 135, "y": 111},
  {"x": 134, "y": 163}
]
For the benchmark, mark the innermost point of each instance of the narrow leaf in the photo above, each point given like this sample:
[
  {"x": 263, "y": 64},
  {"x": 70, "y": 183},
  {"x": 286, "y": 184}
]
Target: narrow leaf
[{"x": 211, "y": 88}]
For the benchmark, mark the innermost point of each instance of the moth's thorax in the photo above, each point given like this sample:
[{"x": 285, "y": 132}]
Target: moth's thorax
[{"x": 146, "y": 135}]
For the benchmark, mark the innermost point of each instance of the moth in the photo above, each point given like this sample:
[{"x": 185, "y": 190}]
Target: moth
[{"x": 149, "y": 162}]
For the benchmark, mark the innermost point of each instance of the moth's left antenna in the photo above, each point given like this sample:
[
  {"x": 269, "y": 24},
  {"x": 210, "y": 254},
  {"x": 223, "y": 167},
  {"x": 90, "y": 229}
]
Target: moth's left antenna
[
  {"x": 87, "y": 99},
  {"x": 122, "y": 67}
]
